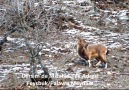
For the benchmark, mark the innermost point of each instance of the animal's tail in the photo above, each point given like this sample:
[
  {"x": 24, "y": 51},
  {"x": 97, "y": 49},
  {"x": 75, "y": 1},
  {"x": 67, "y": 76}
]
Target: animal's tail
[{"x": 108, "y": 51}]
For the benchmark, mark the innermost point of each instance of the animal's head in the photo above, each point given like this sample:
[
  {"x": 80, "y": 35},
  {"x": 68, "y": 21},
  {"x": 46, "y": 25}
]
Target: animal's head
[{"x": 81, "y": 41}]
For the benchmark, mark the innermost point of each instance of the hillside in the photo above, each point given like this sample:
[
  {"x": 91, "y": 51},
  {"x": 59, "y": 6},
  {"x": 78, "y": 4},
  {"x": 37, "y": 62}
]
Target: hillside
[{"x": 45, "y": 31}]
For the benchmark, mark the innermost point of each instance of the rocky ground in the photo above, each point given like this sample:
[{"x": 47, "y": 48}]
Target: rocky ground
[{"x": 107, "y": 26}]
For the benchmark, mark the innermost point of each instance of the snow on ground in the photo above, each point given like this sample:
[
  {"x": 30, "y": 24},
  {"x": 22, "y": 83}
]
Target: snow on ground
[{"x": 91, "y": 34}]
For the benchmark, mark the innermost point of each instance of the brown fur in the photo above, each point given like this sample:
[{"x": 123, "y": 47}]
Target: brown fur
[{"x": 89, "y": 51}]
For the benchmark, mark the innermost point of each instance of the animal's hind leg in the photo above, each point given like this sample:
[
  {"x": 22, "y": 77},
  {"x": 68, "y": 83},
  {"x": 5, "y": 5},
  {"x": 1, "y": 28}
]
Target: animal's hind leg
[
  {"x": 103, "y": 56},
  {"x": 99, "y": 61},
  {"x": 106, "y": 65},
  {"x": 89, "y": 63}
]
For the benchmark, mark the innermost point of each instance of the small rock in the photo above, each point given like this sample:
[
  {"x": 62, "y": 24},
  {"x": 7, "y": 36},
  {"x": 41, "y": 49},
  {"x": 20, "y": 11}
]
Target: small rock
[
  {"x": 108, "y": 84},
  {"x": 63, "y": 50},
  {"x": 124, "y": 64},
  {"x": 114, "y": 57},
  {"x": 69, "y": 69},
  {"x": 116, "y": 66},
  {"x": 109, "y": 73},
  {"x": 123, "y": 49},
  {"x": 70, "y": 64},
  {"x": 84, "y": 72},
  {"x": 127, "y": 48},
  {"x": 98, "y": 70}
]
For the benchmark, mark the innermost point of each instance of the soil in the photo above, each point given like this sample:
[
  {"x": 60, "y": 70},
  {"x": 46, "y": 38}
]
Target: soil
[{"x": 60, "y": 57}]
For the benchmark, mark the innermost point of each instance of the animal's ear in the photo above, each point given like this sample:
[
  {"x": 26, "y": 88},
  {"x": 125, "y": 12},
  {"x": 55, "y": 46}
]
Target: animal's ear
[{"x": 78, "y": 38}]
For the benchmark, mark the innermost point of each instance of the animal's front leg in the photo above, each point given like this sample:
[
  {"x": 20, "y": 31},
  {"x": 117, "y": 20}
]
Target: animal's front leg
[
  {"x": 98, "y": 63},
  {"x": 89, "y": 63},
  {"x": 106, "y": 65}
]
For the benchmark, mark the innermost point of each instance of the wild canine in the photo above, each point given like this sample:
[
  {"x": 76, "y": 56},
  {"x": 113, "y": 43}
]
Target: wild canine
[{"x": 89, "y": 51}]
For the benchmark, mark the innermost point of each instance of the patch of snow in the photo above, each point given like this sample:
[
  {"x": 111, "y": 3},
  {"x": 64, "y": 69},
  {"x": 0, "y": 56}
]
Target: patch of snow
[
  {"x": 49, "y": 55},
  {"x": 55, "y": 48},
  {"x": 114, "y": 12},
  {"x": 91, "y": 28},
  {"x": 10, "y": 39},
  {"x": 68, "y": 45},
  {"x": 0, "y": 38},
  {"x": 9, "y": 50},
  {"x": 2, "y": 9},
  {"x": 73, "y": 31},
  {"x": 6, "y": 71},
  {"x": 122, "y": 15},
  {"x": 54, "y": 51},
  {"x": 98, "y": 70},
  {"x": 40, "y": 71},
  {"x": 16, "y": 69},
  {"x": 18, "y": 41},
  {"x": 82, "y": 25},
  {"x": 40, "y": 53},
  {"x": 22, "y": 45},
  {"x": 108, "y": 84},
  {"x": 109, "y": 72},
  {"x": 45, "y": 1},
  {"x": 31, "y": 42},
  {"x": 36, "y": 4},
  {"x": 27, "y": 69},
  {"x": 70, "y": 64},
  {"x": 52, "y": 67},
  {"x": 46, "y": 49},
  {"x": 107, "y": 11},
  {"x": 69, "y": 2},
  {"x": 79, "y": 70},
  {"x": 85, "y": 33},
  {"x": 81, "y": 1},
  {"x": 113, "y": 34},
  {"x": 24, "y": 64},
  {"x": 115, "y": 45}
]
